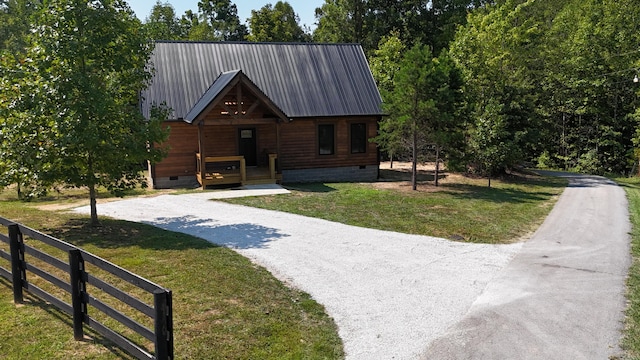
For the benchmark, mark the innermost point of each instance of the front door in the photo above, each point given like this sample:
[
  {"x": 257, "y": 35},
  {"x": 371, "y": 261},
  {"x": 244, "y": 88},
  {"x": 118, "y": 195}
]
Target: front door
[{"x": 247, "y": 145}]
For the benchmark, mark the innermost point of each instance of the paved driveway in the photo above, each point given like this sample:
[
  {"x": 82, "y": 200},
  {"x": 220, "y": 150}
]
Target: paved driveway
[
  {"x": 393, "y": 294},
  {"x": 562, "y": 296}
]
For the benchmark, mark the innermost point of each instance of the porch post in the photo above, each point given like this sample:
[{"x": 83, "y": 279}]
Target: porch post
[
  {"x": 278, "y": 122},
  {"x": 203, "y": 163}
]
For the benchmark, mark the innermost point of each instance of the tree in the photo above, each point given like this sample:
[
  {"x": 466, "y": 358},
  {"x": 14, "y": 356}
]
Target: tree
[
  {"x": 14, "y": 24},
  {"x": 87, "y": 65},
  {"x": 335, "y": 23},
  {"x": 552, "y": 81},
  {"x": 384, "y": 65},
  {"x": 367, "y": 21},
  {"x": 218, "y": 21},
  {"x": 498, "y": 51},
  {"x": 162, "y": 23},
  {"x": 424, "y": 101},
  {"x": 25, "y": 149},
  {"x": 276, "y": 24}
]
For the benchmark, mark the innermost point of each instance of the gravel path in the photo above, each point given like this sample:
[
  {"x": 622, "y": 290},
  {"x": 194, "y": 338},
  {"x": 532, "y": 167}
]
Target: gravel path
[{"x": 389, "y": 293}]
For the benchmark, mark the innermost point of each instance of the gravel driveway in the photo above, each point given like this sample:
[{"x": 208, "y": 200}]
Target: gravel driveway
[
  {"x": 389, "y": 293},
  {"x": 560, "y": 295}
]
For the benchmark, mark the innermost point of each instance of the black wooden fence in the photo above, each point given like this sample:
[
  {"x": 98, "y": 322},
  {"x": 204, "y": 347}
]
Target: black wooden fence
[{"x": 160, "y": 314}]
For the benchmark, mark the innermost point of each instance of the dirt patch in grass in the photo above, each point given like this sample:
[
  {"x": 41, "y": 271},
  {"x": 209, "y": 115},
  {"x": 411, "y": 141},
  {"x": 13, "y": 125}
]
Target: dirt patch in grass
[{"x": 399, "y": 177}]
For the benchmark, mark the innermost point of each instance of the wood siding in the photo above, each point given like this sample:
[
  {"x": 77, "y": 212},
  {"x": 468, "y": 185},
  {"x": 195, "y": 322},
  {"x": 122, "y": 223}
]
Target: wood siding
[
  {"x": 183, "y": 146},
  {"x": 298, "y": 144}
]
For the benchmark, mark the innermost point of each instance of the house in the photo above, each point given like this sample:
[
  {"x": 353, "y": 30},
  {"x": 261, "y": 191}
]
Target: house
[{"x": 264, "y": 112}]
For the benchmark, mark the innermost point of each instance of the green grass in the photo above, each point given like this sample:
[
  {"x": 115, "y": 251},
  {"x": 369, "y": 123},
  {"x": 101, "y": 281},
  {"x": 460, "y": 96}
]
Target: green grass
[
  {"x": 224, "y": 306},
  {"x": 631, "y": 341},
  {"x": 464, "y": 210}
]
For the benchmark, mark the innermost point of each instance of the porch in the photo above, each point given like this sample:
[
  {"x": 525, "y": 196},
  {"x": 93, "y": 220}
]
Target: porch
[{"x": 227, "y": 170}]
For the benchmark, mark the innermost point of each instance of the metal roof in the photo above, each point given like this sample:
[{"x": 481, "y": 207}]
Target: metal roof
[{"x": 302, "y": 79}]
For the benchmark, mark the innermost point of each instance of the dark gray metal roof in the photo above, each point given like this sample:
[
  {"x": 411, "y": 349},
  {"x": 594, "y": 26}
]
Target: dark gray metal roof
[
  {"x": 214, "y": 90},
  {"x": 304, "y": 80}
]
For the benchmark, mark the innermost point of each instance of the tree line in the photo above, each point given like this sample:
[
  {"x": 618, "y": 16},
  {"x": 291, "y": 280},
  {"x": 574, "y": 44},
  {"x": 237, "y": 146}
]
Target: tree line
[
  {"x": 481, "y": 85},
  {"x": 490, "y": 85}
]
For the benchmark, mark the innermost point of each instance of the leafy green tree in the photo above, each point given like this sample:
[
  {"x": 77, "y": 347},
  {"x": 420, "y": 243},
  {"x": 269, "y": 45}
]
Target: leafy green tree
[
  {"x": 278, "y": 23},
  {"x": 367, "y": 21},
  {"x": 218, "y": 21},
  {"x": 26, "y": 153},
  {"x": 335, "y": 24},
  {"x": 86, "y": 67},
  {"x": 162, "y": 23},
  {"x": 555, "y": 78},
  {"x": 593, "y": 46},
  {"x": 498, "y": 52},
  {"x": 424, "y": 101},
  {"x": 384, "y": 65},
  {"x": 14, "y": 24}
]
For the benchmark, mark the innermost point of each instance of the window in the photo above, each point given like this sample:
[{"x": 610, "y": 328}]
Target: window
[
  {"x": 326, "y": 139},
  {"x": 358, "y": 138}
]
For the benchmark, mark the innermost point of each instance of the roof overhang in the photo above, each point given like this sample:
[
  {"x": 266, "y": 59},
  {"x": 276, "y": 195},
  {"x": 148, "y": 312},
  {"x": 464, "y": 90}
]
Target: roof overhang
[{"x": 221, "y": 87}]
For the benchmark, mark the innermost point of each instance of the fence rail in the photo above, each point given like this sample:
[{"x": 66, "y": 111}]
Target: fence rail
[{"x": 160, "y": 312}]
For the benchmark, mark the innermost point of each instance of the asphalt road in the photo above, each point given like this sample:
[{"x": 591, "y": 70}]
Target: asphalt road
[{"x": 562, "y": 296}]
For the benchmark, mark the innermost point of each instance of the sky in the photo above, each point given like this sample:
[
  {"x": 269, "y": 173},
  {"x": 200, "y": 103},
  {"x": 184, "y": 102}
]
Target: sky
[{"x": 304, "y": 8}]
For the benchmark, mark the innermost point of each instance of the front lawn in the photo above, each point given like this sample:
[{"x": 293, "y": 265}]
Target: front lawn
[
  {"x": 461, "y": 209},
  {"x": 224, "y": 306}
]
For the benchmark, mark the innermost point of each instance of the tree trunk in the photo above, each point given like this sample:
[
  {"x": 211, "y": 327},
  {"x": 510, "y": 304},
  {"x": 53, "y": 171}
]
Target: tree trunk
[
  {"x": 92, "y": 193},
  {"x": 92, "y": 204},
  {"x": 414, "y": 165},
  {"x": 437, "y": 174},
  {"x": 391, "y": 161},
  {"x": 489, "y": 180}
]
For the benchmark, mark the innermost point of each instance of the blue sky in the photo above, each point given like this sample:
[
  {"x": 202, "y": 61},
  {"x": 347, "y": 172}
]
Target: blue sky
[{"x": 304, "y": 8}]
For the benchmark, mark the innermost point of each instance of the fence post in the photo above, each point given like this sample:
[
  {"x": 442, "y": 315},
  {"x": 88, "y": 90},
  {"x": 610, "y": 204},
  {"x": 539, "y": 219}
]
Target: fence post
[
  {"x": 78, "y": 292},
  {"x": 163, "y": 324},
  {"x": 16, "y": 244}
]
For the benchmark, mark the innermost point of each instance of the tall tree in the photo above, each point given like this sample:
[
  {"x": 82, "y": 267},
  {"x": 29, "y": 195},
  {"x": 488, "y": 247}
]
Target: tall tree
[
  {"x": 278, "y": 23},
  {"x": 219, "y": 21},
  {"x": 424, "y": 101},
  {"x": 162, "y": 23},
  {"x": 88, "y": 63},
  {"x": 367, "y": 21},
  {"x": 15, "y": 16},
  {"x": 335, "y": 23},
  {"x": 384, "y": 65},
  {"x": 593, "y": 46},
  {"x": 498, "y": 52}
]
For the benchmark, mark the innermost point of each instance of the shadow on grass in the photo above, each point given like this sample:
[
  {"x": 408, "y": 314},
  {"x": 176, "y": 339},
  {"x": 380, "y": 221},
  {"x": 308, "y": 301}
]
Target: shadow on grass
[
  {"x": 166, "y": 234},
  {"x": 506, "y": 195},
  {"x": 91, "y": 336},
  {"x": 496, "y": 195},
  {"x": 405, "y": 175},
  {"x": 310, "y": 187}
]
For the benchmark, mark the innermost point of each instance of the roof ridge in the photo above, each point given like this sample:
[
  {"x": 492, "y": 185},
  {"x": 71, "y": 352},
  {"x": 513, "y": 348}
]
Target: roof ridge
[{"x": 251, "y": 42}]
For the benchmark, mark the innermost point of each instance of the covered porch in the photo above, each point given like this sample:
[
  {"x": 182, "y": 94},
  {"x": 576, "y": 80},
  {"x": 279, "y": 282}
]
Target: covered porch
[
  {"x": 238, "y": 133},
  {"x": 225, "y": 170}
]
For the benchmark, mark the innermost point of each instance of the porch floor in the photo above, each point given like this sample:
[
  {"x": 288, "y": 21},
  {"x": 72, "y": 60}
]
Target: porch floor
[{"x": 255, "y": 176}]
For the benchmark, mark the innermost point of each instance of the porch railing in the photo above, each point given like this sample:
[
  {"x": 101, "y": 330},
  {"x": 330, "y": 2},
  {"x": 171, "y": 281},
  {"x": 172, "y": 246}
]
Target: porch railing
[{"x": 219, "y": 170}]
